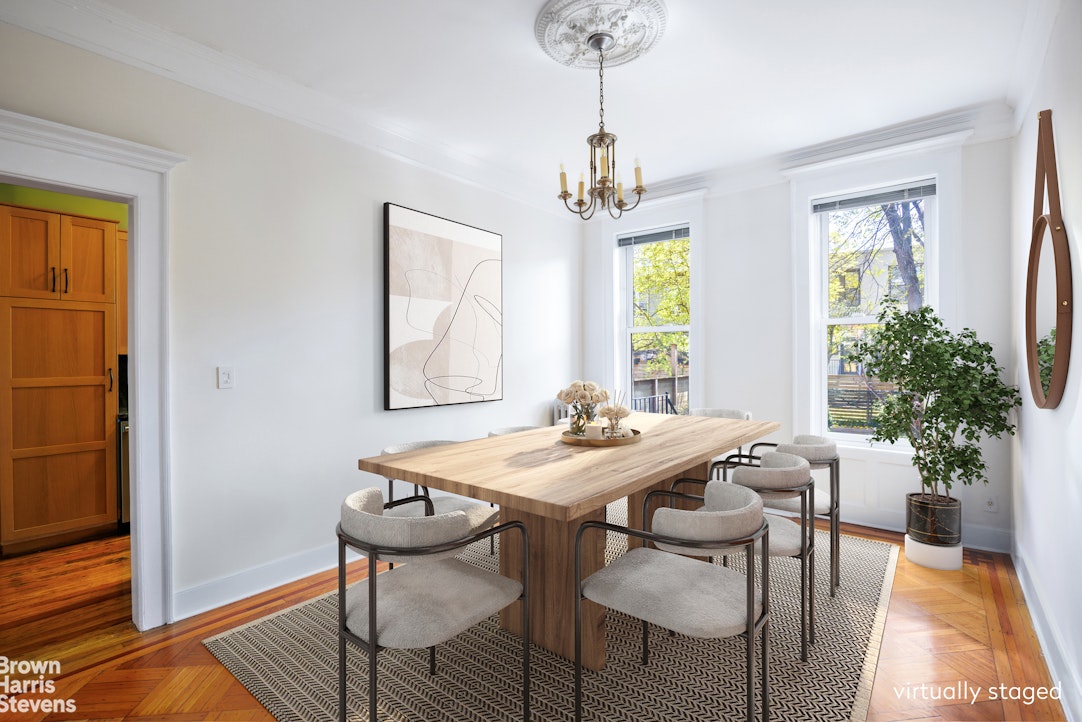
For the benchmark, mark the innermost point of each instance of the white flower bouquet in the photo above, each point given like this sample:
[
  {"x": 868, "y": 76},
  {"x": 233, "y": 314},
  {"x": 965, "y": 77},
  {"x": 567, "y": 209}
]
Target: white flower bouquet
[{"x": 583, "y": 397}]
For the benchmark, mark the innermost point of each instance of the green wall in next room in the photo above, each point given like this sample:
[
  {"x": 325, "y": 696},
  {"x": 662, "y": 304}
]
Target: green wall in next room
[{"x": 65, "y": 203}]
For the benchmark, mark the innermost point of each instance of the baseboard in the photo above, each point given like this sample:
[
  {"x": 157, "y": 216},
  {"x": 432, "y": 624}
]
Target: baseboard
[
  {"x": 225, "y": 590},
  {"x": 974, "y": 536},
  {"x": 1063, "y": 672}
]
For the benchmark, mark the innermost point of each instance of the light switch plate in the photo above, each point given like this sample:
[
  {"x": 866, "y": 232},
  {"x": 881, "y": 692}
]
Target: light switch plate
[{"x": 226, "y": 377}]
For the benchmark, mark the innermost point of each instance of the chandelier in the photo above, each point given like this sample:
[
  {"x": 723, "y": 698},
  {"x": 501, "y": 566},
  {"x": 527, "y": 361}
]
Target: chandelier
[{"x": 606, "y": 188}]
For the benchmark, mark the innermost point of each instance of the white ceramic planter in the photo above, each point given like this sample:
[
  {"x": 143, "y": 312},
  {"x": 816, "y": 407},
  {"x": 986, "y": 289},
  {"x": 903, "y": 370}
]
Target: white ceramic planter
[{"x": 933, "y": 556}]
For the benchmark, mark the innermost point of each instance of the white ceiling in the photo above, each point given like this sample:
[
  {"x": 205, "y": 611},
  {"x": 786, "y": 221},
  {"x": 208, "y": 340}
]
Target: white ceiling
[{"x": 462, "y": 85}]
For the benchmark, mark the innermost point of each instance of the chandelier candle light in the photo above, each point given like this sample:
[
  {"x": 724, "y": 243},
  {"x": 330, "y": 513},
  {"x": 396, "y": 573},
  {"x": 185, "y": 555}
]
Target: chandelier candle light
[{"x": 603, "y": 191}]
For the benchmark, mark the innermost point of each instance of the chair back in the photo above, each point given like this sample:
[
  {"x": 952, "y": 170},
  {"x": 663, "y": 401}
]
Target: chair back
[
  {"x": 731, "y": 513},
  {"x": 371, "y": 532},
  {"x": 511, "y": 430},
  {"x": 723, "y": 413},
  {"x": 414, "y": 446},
  {"x": 816, "y": 449},
  {"x": 777, "y": 471}
]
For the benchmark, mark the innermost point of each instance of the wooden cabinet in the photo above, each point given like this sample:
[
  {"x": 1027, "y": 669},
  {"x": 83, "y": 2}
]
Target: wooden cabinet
[
  {"x": 58, "y": 423},
  {"x": 56, "y": 256},
  {"x": 58, "y": 377}
]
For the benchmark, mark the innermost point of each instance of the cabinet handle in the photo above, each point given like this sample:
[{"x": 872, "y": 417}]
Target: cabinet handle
[
  {"x": 110, "y": 380},
  {"x": 53, "y": 269},
  {"x": 66, "y": 279}
]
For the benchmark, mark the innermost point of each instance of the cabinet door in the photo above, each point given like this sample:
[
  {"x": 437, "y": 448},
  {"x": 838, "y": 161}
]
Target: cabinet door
[
  {"x": 57, "y": 418},
  {"x": 88, "y": 259},
  {"x": 29, "y": 253}
]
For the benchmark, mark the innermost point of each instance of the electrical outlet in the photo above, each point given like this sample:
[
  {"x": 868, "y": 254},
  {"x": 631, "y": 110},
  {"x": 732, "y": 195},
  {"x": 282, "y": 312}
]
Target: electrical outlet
[
  {"x": 991, "y": 504},
  {"x": 226, "y": 377}
]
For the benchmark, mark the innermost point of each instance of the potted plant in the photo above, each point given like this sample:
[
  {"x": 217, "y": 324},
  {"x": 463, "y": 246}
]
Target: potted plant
[{"x": 949, "y": 395}]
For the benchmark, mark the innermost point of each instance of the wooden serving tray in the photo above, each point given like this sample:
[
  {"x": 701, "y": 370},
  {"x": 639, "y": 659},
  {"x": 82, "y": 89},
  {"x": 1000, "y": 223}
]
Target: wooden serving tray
[{"x": 568, "y": 438}]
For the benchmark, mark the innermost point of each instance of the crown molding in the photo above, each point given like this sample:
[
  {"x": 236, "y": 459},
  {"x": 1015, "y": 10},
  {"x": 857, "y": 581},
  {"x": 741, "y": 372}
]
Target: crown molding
[
  {"x": 969, "y": 125},
  {"x": 103, "y": 30}
]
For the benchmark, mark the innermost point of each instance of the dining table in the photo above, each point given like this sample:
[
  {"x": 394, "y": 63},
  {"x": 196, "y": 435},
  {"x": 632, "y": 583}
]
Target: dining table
[{"x": 553, "y": 483}]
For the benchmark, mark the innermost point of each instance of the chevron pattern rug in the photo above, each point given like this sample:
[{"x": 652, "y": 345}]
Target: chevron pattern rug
[{"x": 288, "y": 661}]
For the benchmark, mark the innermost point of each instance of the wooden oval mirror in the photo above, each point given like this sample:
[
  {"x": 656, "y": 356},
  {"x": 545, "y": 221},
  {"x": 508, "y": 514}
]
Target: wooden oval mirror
[{"x": 1049, "y": 305}]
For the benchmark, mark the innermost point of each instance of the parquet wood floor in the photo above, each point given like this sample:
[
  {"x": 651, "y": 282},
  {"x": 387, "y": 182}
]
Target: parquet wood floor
[{"x": 969, "y": 627}]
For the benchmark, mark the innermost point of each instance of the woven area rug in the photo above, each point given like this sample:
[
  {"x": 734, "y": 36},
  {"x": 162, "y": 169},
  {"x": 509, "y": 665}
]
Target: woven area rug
[{"x": 288, "y": 660}]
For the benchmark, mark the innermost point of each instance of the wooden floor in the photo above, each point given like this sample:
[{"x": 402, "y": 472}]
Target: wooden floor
[{"x": 947, "y": 633}]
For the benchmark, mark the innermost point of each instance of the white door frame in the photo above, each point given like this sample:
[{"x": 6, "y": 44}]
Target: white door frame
[{"x": 42, "y": 154}]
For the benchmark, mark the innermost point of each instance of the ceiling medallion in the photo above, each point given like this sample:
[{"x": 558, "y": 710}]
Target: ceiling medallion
[{"x": 564, "y": 27}]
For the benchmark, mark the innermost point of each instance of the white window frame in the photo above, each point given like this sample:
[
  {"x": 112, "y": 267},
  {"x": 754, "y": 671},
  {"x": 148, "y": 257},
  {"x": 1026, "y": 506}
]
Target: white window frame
[
  {"x": 940, "y": 160},
  {"x": 627, "y": 302},
  {"x": 820, "y": 234},
  {"x": 603, "y": 285}
]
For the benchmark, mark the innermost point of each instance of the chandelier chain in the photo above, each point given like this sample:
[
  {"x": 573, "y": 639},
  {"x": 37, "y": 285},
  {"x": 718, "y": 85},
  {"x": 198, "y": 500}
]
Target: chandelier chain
[{"x": 601, "y": 93}]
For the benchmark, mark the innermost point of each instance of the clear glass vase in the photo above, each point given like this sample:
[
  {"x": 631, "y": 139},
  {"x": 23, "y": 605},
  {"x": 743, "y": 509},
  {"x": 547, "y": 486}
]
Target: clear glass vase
[{"x": 580, "y": 416}]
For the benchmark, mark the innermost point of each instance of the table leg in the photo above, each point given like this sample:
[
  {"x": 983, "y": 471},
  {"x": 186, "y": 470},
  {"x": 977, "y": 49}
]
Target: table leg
[{"x": 552, "y": 584}]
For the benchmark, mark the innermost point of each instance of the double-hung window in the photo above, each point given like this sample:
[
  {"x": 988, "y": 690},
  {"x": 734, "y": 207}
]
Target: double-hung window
[
  {"x": 657, "y": 318},
  {"x": 873, "y": 247}
]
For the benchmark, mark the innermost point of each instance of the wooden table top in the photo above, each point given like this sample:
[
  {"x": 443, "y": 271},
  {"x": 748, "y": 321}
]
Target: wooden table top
[{"x": 536, "y": 472}]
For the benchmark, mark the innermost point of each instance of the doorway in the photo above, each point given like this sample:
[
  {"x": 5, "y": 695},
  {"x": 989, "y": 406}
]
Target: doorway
[
  {"x": 42, "y": 154},
  {"x": 63, "y": 378}
]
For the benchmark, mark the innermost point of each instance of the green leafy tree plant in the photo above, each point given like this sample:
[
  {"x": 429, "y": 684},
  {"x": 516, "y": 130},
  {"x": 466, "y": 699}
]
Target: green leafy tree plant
[{"x": 950, "y": 394}]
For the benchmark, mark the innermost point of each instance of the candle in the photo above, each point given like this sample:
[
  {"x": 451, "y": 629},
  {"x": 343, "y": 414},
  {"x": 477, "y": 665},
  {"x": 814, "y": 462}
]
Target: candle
[
  {"x": 619, "y": 190},
  {"x": 638, "y": 174},
  {"x": 604, "y": 165},
  {"x": 593, "y": 430},
  {"x": 582, "y": 185},
  {"x": 563, "y": 179}
]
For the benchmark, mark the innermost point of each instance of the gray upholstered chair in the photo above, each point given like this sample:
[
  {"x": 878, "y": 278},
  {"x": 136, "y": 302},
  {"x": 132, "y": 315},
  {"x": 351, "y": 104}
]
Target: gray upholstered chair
[
  {"x": 426, "y": 601},
  {"x": 821, "y": 453},
  {"x": 685, "y": 595},
  {"x": 511, "y": 430},
  {"x": 777, "y": 476},
  {"x": 721, "y": 413},
  {"x": 480, "y": 516}
]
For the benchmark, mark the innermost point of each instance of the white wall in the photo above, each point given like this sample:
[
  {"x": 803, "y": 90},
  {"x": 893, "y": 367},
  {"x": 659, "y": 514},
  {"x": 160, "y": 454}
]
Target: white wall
[
  {"x": 1047, "y": 485},
  {"x": 275, "y": 268},
  {"x": 748, "y": 344}
]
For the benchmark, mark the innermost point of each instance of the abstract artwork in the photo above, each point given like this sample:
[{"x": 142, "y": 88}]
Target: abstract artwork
[{"x": 443, "y": 311}]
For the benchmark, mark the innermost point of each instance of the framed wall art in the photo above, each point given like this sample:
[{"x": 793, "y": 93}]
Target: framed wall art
[{"x": 443, "y": 311}]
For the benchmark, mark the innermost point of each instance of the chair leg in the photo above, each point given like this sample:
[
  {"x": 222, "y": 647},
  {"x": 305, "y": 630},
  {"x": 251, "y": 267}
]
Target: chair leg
[
  {"x": 646, "y": 642},
  {"x": 750, "y": 676},
  {"x": 341, "y": 678},
  {"x": 578, "y": 657},
  {"x": 749, "y": 634},
  {"x": 835, "y": 526},
  {"x": 764, "y": 684},
  {"x": 526, "y": 654},
  {"x": 432, "y": 661},
  {"x": 811, "y": 565},
  {"x": 341, "y": 632},
  {"x": 372, "y": 681}
]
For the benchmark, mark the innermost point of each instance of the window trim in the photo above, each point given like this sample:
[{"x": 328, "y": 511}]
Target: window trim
[
  {"x": 809, "y": 268},
  {"x": 625, "y": 244},
  {"x": 603, "y": 287},
  {"x": 821, "y": 212}
]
